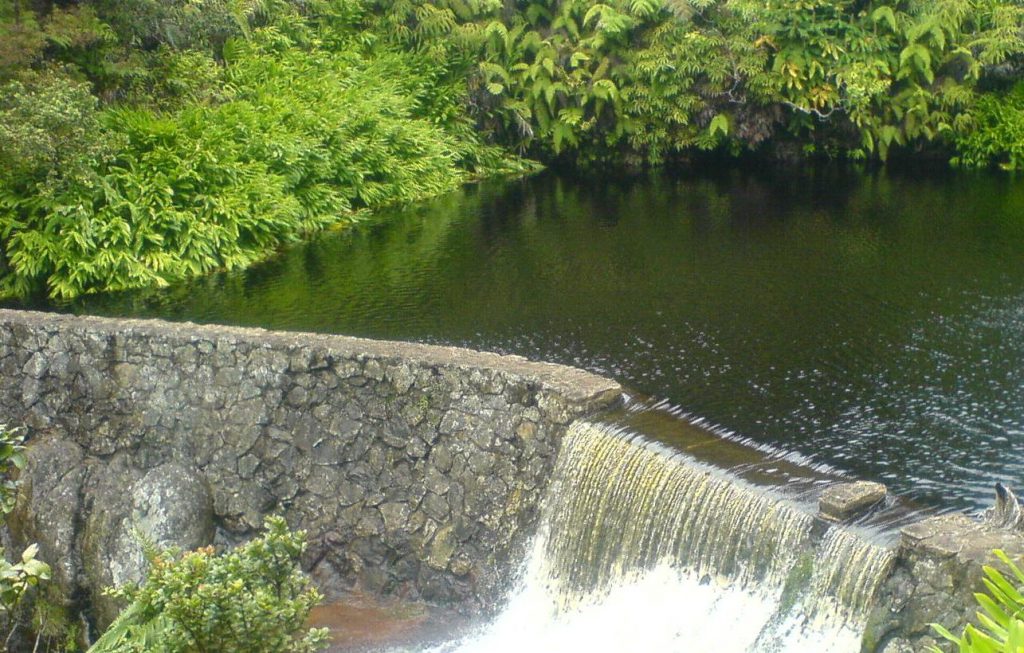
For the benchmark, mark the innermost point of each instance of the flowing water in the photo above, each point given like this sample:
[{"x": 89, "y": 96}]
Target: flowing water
[
  {"x": 644, "y": 549},
  {"x": 873, "y": 324}
]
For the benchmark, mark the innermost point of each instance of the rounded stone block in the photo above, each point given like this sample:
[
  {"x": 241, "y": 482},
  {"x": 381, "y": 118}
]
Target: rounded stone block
[{"x": 168, "y": 506}]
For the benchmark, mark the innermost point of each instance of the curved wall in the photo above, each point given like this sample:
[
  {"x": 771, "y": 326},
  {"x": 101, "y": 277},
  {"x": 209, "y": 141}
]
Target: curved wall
[{"x": 415, "y": 470}]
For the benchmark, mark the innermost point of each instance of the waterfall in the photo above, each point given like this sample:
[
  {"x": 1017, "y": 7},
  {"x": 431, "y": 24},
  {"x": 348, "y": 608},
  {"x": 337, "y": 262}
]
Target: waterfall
[
  {"x": 622, "y": 504},
  {"x": 644, "y": 549}
]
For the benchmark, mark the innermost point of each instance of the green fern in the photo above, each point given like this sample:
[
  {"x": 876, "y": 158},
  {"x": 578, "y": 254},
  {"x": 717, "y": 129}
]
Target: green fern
[{"x": 1001, "y": 617}]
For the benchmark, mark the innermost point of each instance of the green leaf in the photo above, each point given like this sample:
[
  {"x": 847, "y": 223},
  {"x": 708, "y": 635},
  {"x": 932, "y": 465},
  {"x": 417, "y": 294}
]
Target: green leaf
[
  {"x": 885, "y": 14},
  {"x": 719, "y": 125}
]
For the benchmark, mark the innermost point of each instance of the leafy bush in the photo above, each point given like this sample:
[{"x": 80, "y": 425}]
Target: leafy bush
[
  {"x": 221, "y": 129},
  {"x": 303, "y": 140},
  {"x": 648, "y": 78},
  {"x": 18, "y": 577},
  {"x": 49, "y": 126},
  {"x": 21, "y": 39},
  {"x": 1001, "y": 618},
  {"x": 996, "y": 136},
  {"x": 254, "y": 599}
]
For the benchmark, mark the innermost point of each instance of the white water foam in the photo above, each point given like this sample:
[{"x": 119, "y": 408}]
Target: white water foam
[
  {"x": 662, "y": 610},
  {"x": 640, "y": 550}
]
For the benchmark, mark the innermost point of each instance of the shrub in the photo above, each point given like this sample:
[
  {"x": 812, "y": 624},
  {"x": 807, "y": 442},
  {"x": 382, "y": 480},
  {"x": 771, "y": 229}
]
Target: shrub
[
  {"x": 996, "y": 135},
  {"x": 16, "y": 578},
  {"x": 304, "y": 139},
  {"x": 49, "y": 125},
  {"x": 254, "y": 599}
]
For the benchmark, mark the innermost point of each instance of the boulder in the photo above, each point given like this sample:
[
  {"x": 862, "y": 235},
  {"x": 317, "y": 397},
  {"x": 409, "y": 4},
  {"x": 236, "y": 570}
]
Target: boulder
[
  {"x": 847, "y": 500},
  {"x": 168, "y": 506},
  {"x": 49, "y": 497}
]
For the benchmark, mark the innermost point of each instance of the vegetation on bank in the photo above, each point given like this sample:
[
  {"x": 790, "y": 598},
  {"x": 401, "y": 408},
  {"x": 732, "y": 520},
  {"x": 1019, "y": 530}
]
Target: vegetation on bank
[
  {"x": 141, "y": 149},
  {"x": 145, "y": 141},
  {"x": 17, "y": 578},
  {"x": 253, "y": 599}
]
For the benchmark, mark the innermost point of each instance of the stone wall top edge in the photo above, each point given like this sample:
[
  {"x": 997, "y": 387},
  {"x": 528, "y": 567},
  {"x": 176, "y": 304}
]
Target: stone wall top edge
[
  {"x": 958, "y": 535},
  {"x": 572, "y": 383}
]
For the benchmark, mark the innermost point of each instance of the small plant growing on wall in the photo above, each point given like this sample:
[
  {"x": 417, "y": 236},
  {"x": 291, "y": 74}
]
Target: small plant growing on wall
[
  {"x": 253, "y": 599},
  {"x": 27, "y": 571},
  {"x": 1001, "y": 617}
]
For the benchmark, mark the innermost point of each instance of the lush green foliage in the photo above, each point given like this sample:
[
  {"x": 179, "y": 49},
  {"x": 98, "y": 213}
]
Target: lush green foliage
[
  {"x": 146, "y": 141},
  {"x": 1002, "y": 615},
  {"x": 16, "y": 578},
  {"x": 648, "y": 78},
  {"x": 298, "y": 127},
  {"x": 997, "y": 132},
  {"x": 254, "y": 599},
  {"x": 12, "y": 460}
]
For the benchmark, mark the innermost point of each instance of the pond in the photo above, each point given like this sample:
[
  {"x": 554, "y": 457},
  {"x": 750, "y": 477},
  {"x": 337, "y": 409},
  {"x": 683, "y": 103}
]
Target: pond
[{"x": 873, "y": 323}]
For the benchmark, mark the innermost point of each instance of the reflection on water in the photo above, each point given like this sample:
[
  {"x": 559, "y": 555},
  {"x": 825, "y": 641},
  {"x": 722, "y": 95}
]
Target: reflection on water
[{"x": 872, "y": 323}]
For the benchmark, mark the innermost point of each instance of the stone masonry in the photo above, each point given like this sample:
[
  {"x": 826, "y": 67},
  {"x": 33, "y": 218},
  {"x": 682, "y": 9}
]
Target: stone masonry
[
  {"x": 938, "y": 569},
  {"x": 416, "y": 470}
]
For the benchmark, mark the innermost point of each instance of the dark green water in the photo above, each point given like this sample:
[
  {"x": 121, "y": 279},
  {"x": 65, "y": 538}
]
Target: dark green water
[{"x": 872, "y": 323}]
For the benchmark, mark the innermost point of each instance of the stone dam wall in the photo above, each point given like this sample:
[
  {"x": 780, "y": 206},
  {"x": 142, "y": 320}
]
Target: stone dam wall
[{"x": 416, "y": 470}]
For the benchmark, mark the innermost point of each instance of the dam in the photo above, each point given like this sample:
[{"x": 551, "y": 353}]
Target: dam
[
  {"x": 640, "y": 549},
  {"x": 537, "y": 497}
]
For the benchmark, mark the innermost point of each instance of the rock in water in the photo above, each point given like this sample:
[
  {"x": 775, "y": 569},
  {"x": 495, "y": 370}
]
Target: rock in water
[
  {"x": 848, "y": 500},
  {"x": 1007, "y": 512}
]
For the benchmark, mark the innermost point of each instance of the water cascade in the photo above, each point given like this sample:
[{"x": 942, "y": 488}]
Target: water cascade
[{"x": 642, "y": 548}]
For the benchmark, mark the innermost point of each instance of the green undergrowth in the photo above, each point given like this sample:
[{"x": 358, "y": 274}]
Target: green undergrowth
[
  {"x": 252, "y": 599},
  {"x": 219, "y": 163},
  {"x": 1000, "y": 622},
  {"x": 146, "y": 141},
  {"x": 997, "y": 133}
]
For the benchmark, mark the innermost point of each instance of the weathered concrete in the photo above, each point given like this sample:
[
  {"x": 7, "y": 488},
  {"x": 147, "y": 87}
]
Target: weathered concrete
[
  {"x": 846, "y": 500},
  {"x": 416, "y": 470}
]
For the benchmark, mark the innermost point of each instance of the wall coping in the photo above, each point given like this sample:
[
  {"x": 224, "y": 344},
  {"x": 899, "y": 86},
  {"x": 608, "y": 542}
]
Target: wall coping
[{"x": 573, "y": 384}]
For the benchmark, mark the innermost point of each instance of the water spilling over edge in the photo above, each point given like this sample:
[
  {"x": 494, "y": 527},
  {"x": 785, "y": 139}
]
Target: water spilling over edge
[{"x": 643, "y": 549}]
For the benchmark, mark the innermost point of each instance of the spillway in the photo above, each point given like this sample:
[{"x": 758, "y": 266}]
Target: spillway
[{"x": 641, "y": 548}]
